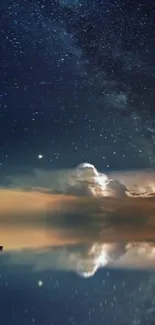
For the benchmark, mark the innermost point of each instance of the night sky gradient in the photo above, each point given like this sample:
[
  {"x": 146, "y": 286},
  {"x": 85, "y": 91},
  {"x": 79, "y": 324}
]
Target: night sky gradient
[{"x": 77, "y": 81}]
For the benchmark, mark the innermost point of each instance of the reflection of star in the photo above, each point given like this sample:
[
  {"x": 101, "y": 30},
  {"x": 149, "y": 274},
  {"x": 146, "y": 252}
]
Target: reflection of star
[{"x": 40, "y": 283}]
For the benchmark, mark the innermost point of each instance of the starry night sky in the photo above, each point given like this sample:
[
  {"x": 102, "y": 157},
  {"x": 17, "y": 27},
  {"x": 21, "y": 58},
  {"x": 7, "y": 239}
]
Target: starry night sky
[{"x": 76, "y": 84}]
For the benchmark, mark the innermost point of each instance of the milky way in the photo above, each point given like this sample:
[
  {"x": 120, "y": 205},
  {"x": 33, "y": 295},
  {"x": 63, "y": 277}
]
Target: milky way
[{"x": 77, "y": 82}]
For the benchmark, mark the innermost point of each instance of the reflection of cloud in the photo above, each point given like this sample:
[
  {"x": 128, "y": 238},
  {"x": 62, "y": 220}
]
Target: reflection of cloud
[
  {"x": 79, "y": 219},
  {"x": 86, "y": 259},
  {"x": 83, "y": 259}
]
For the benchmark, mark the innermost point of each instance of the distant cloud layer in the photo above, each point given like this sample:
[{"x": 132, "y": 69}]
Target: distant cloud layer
[{"x": 79, "y": 219}]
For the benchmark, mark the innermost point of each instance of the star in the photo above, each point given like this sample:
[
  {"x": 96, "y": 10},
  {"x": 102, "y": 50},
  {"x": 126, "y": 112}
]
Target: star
[{"x": 40, "y": 156}]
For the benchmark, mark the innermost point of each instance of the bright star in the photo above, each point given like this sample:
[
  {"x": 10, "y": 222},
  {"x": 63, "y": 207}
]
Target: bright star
[{"x": 40, "y": 156}]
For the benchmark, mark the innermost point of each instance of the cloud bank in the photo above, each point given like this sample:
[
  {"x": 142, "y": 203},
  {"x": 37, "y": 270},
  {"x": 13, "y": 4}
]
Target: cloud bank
[{"x": 79, "y": 220}]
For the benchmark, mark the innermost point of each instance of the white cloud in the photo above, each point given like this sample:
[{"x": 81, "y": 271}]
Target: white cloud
[{"x": 84, "y": 258}]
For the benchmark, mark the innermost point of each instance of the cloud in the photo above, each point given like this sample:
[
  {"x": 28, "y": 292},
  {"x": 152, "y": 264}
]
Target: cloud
[
  {"x": 79, "y": 220},
  {"x": 85, "y": 260}
]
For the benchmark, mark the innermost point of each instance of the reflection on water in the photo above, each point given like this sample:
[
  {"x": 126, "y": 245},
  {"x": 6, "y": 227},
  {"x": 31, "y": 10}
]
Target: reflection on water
[{"x": 80, "y": 221}]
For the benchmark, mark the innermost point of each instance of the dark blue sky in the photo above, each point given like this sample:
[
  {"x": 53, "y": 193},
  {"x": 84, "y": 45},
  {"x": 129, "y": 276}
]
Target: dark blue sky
[{"x": 76, "y": 84}]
